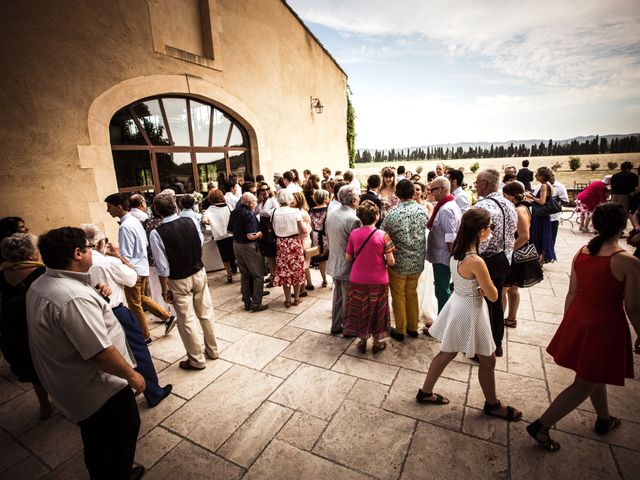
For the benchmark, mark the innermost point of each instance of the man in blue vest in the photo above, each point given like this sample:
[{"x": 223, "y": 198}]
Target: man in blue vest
[{"x": 177, "y": 249}]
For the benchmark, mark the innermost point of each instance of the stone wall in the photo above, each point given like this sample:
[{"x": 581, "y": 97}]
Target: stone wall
[{"x": 69, "y": 66}]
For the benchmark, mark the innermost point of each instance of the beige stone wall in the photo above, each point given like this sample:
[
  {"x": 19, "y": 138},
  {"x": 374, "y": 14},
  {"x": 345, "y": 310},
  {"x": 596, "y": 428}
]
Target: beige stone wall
[{"x": 67, "y": 70}]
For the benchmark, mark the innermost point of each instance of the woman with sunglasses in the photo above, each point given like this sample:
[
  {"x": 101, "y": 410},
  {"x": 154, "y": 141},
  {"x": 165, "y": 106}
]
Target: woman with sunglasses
[
  {"x": 265, "y": 206},
  {"x": 463, "y": 324}
]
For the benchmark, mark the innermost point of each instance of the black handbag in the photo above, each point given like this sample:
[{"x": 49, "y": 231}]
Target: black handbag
[{"x": 551, "y": 206}]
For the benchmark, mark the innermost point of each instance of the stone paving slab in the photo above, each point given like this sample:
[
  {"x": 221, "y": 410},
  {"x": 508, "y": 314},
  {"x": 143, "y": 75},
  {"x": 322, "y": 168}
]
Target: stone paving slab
[{"x": 286, "y": 400}]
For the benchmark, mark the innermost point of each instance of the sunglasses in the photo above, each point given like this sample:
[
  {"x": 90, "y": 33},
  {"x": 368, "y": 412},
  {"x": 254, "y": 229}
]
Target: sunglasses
[
  {"x": 491, "y": 226},
  {"x": 434, "y": 189},
  {"x": 264, "y": 189}
]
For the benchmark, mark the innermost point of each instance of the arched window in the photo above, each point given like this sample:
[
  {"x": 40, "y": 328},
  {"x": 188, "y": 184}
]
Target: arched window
[{"x": 176, "y": 142}]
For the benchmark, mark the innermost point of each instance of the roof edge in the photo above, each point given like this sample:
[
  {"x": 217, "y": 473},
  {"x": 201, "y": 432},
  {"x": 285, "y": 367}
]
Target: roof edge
[{"x": 314, "y": 37}]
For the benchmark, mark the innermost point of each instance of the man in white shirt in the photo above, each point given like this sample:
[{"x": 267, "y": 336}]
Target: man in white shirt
[
  {"x": 289, "y": 184},
  {"x": 456, "y": 177},
  {"x": 177, "y": 249},
  {"x": 132, "y": 241},
  {"x": 439, "y": 170},
  {"x": 326, "y": 173},
  {"x": 138, "y": 206},
  {"x": 350, "y": 179},
  {"x": 80, "y": 354},
  {"x": 112, "y": 269}
]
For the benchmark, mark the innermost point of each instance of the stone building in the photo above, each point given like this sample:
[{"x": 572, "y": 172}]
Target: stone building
[{"x": 137, "y": 95}]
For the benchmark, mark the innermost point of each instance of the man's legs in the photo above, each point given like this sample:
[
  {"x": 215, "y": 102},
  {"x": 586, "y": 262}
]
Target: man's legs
[
  {"x": 183, "y": 303},
  {"x": 149, "y": 304},
  {"x": 340, "y": 295},
  {"x": 245, "y": 274},
  {"x": 109, "y": 437},
  {"x": 398, "y": 286},
  {"x": 254, "y": 263},
  {"x": 153, "y": 393},
  {"x": 496, "y": 314},
  {"x": 203, "y": 307},
  {"x": 134, "y": 300},
  {"x": 442, "y": 279},
  {"x": 411, "y": 302}
]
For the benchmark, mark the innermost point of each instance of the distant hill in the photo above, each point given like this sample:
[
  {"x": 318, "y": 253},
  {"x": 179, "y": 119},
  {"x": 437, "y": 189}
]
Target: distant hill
[{"x": 526, "y": 143}]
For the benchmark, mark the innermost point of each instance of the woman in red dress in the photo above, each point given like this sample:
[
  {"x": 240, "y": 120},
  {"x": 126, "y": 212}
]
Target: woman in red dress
[{"x": 593, "y": 338}]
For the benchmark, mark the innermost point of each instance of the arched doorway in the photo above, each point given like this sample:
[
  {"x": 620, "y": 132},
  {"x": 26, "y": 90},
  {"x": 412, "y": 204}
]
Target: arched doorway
[{"x": 177, "y": 142}]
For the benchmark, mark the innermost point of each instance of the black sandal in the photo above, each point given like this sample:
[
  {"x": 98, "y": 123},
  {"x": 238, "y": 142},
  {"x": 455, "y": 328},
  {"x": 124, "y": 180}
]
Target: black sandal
[
  {"x": 422, "y": 397},
  {"x": 362, "y": 346},
  {"x": 604, "y": 426},
  {"x": 540, "y": 434},
  {"x": 511, "y": 416}
]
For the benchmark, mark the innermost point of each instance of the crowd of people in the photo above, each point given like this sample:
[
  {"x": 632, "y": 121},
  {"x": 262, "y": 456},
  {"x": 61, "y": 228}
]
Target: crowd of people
[{"x": 73, "y": 303}]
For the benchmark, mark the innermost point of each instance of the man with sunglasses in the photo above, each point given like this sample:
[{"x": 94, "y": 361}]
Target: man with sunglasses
[
  {"x": 443, "y": 227},
  {"x": 497, "y": 251}
]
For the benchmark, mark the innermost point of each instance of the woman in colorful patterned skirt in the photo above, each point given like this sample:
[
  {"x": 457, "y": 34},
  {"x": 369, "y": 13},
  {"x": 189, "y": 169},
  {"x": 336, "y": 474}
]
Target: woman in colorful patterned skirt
[
  {"x": 370, "y": 250},
  {"x": 289, "y": 227}
]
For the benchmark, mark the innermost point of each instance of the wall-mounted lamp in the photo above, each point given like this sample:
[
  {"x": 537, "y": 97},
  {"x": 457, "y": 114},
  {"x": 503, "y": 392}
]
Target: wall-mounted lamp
[{"x": 315, "y": 104}]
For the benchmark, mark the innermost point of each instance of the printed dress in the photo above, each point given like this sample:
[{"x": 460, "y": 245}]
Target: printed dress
[{"x": 463, "y": 324}]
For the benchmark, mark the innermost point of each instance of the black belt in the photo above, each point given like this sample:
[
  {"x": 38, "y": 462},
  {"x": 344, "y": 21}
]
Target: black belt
[{"x": 290, "y": 236}]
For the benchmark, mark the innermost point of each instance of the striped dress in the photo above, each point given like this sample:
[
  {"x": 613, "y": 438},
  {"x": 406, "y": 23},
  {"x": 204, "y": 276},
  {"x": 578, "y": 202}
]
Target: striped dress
[{"x": 463, "y": 324}]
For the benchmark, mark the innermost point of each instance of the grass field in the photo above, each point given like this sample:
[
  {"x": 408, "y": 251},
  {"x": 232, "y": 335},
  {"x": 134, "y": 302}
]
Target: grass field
[{"x": 564, "y": 174}]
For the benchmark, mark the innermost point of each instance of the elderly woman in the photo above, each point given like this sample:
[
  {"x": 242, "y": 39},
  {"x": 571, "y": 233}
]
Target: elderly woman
[
  {"x": 20, "y": 269},
  {"x": 318, "y": 216},
  {"x": 218, "y": 217},
  {"x": 340, "y": 223},
  {"x": 11, "y": 225},
  {"x": 289, "y": 227},
  {"x": 589, "y": 198}
]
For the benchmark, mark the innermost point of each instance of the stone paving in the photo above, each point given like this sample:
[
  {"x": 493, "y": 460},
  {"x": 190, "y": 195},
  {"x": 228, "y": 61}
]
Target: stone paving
[{"x": 286, "y": 400}]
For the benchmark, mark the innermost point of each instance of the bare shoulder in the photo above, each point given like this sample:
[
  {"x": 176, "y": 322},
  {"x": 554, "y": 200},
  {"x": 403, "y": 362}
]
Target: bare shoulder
[{"x": 625, "y": 264}]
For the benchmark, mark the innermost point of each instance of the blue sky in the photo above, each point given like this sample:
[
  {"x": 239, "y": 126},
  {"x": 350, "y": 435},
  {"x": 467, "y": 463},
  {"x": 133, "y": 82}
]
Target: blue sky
[{"x": 436, "y": 71}]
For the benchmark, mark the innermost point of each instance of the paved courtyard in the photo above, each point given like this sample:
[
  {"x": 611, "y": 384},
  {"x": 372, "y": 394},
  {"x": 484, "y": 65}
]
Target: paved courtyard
[{"x": 286, "y": 400}]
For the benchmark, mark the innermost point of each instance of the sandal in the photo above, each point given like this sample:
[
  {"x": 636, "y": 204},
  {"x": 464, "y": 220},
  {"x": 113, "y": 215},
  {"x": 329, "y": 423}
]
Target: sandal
[
  {"x": 510, "y": 323},
  {"x": 296, "y": 302},
  {"x": 324, "y": 283},
  {"x": 602, "y": 426},
  {"x": 362, "y": 346},
  {"x": 540, "y": 434},
  {"x": 229, "y": 278},
  {"x": 512, "y": 414},
  {"x": 422, "y": 397},
  {"x": 378, "y": 347},
  {"x": 287, "y": 304}
]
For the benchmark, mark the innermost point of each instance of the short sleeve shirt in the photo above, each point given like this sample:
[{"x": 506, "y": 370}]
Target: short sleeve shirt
[
  {"x": 443, "y": 231},
  {"x": 504, "y": 214},
  {"x": 285, "y": 221},
  {"x": 406, "y": 226},
  {"x": 69, "y": 323}
]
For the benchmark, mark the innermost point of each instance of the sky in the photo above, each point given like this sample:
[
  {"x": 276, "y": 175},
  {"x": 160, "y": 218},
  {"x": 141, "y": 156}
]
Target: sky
[{"x": 425, "y": 72}]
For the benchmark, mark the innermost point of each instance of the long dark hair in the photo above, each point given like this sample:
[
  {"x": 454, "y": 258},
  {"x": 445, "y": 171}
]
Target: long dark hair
[
  {"x": 472, "y": 223},
  {"x": 609, "y": 219}
]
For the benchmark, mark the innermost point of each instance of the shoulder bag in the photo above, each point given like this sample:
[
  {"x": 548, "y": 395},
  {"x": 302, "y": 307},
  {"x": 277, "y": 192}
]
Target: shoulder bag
[{"x": 498, "y": 263}]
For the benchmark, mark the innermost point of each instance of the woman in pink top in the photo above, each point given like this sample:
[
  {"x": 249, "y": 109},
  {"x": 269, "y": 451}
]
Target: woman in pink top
[
  {"x": 588, "y": 199},
  {"x": 370, "y": 250}
]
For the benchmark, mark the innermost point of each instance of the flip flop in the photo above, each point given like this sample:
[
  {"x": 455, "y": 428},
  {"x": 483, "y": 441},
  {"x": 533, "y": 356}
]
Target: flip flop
[{"x": 510, "y": 323}]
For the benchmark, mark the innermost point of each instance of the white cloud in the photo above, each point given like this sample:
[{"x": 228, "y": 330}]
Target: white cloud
[{"x": 550, "y": 42}]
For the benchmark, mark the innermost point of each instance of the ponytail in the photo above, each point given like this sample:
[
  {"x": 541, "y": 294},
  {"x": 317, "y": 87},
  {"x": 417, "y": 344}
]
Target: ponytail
[{"x": 609, "y": 219}]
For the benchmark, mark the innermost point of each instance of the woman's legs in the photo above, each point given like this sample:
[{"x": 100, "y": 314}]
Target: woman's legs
[
  {"x": 287, "y": 294},
  {"x": 296, "y": 292},
  {"x": 514, "y": 302},
  {"x": 599, "y": 401},
  {"x": 438, "y": 364},
  {"x": 307, "y": 276},
  {"x": 571, "y": 397},
  {"x": 487, "y": 378},
  {"x": 323, "y": 272},
  {"x": 46, "y": 407}
]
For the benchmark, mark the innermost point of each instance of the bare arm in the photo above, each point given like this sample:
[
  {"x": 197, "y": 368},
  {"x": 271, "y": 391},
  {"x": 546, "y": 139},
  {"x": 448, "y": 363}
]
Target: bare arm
[
  {"x": 254, "y": 236},
  {"x": 481, "y": 272},
  {"x": 631, "y": 266},
  {"x": 524, "y": 222},
  {"x": 390, "y": 259},
  {"x": 573, "y": 285},
  {"x": 110, "y": 361}
]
